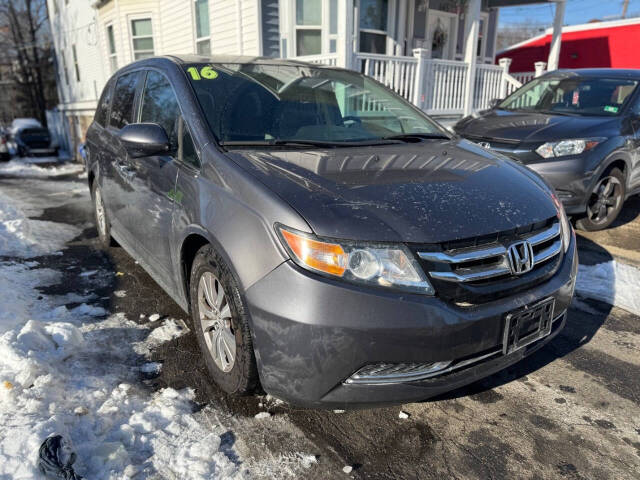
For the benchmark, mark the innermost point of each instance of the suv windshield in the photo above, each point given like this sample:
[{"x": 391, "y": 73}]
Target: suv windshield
[
  {"x": 258, "y": 104},
  {"x": 572, "y": 95}
]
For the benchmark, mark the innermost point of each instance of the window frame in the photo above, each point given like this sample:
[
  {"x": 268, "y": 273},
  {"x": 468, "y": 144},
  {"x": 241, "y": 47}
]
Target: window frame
[
  {"x": 326, "y": 36},
  {"x": 108, "y": 90},
  {"x": 138, "y": 113},
  {"x": 375, "y": 31},
  {"x": 136, "y": 97},
  {"x": 112, "y": 55},
  {"x": 133, "y": 18},
  {"x": 198, "y": 40}
]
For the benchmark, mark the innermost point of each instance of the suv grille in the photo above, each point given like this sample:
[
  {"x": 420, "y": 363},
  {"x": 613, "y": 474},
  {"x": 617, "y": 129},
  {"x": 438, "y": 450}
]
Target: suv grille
[{"x": 479, "y": 269}]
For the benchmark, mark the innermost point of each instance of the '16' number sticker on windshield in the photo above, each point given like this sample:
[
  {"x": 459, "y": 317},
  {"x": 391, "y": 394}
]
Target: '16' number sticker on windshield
[{"x": 206, "y": 72}]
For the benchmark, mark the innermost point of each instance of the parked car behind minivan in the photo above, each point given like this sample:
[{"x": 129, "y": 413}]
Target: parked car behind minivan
[
  {"x": 580, "y": 130},
  {"x": 34, "y": 141},
  {"x": 328, "y": 240}
]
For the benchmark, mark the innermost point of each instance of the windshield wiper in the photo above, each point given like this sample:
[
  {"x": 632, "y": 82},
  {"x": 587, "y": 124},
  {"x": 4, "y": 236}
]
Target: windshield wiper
[
  {"x": 302, "y": 143},
  {"x": 425, "y": 136}
]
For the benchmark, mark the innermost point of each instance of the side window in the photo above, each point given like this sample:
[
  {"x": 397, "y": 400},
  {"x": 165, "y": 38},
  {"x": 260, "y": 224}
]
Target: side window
[
  {"x": 159, "y": 105},
  {"x": 186, "y": 149},
  {"x": 103, "y": 106},
  {"x": 123, "y": 100}
]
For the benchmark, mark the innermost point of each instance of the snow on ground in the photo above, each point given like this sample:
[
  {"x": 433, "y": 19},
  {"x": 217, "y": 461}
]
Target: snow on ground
[
  {"x": 24, "y": 237},
  {"x": 29, "y": 167},
  {"x": 79, "y": 371},
  {"x": 612, "y": 282}
]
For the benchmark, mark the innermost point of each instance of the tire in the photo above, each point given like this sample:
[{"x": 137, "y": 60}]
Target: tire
[
  {"x": 605, "y": 201},
  {"x": 225, "y": 325},
  {"x": 102, "y": 225}
]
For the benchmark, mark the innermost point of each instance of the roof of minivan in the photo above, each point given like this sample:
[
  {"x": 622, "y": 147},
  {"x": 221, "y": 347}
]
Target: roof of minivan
[
  {"x": 238, "y": 59},
  {"x": 600, "y": 72}
]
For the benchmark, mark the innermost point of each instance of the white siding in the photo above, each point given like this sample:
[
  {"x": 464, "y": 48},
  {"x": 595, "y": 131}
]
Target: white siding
[
  {"x": 75, "y": 24},
  {"x": 232, "y": 33}
]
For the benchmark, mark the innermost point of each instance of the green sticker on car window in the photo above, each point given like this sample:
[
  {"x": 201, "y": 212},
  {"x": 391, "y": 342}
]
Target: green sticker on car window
[
  {"x": 207, "y": 73},
  {"x": 610, "y": 109}
]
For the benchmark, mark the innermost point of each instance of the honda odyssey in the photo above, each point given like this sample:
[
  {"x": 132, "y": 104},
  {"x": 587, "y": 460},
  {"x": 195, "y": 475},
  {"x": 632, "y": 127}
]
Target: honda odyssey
[{"x": 328, "y": 240}]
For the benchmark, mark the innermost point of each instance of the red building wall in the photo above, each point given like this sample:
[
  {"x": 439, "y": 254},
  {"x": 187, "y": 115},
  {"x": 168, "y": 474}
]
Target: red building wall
[{"x": 613, "y": 47}]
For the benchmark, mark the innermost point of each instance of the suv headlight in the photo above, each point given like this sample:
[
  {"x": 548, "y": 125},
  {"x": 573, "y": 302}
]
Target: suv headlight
[
  {"x": 390, "y": 266},
  {"x": 565, "y": 225},
  {"x": 563, "y": 148}
]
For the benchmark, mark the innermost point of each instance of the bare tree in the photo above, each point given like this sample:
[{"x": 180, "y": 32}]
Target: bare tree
[
  {"x": 25, "y": 41},
  {"x": 517, "y": 32}
]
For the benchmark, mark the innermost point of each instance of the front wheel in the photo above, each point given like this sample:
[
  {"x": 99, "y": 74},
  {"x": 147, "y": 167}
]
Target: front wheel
[
  {"x": 220, "y": 320},
  {"x": 605, "y": 201}
]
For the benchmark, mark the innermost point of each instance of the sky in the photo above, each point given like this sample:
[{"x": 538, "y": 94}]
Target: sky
[{"x": 577, "y": 11}]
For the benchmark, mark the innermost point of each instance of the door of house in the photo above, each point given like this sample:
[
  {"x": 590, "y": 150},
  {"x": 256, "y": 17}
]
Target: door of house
[
  {"x": 441, "y": 34},
  {"x": 434, "y": 30}
]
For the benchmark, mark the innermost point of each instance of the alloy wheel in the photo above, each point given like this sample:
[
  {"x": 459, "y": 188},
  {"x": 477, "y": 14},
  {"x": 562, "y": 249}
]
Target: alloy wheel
[
  {"x": 215, "y": 319},
  {"x": 605, "y": 199}
]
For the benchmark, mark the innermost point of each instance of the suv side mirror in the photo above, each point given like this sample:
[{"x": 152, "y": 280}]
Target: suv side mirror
[
  {"x": 144, "y": 139},
  {"x": 494, "y": 102}
]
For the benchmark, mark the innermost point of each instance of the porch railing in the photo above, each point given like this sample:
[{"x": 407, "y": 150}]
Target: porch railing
[
  {"x": 523, "y": 77},
  {"x": 436, "y": 86}
]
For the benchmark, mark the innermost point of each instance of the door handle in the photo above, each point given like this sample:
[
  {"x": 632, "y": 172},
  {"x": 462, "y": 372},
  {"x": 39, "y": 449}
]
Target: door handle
[{"x": 125, "y": 169}]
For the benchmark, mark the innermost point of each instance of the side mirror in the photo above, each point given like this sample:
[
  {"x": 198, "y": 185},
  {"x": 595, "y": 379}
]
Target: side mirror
[
  {"x": 144, "y": 139},
  {"x": 494, "y": 103}
]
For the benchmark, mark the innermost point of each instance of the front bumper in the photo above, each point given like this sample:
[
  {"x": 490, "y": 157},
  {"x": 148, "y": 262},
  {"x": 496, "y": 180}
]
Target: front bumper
[{"x": 311, "y": 334}]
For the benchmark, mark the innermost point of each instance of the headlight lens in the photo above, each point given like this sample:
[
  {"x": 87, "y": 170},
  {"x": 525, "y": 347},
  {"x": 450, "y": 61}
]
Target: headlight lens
[
  {"x": 565, "y": 226},
  {"x": 567, "y": 147},
  {"x": 390, "y": 266}
]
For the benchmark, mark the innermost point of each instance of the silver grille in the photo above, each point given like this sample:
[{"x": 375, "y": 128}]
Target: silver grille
[{"x": 493, "y": 259}]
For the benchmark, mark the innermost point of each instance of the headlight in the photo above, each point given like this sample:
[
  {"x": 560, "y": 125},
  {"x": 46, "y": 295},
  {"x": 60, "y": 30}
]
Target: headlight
[
  {"x": 565, "y": 226},
  {"x": 567, "y": 147},
  {"x": 390, "y": 266}
]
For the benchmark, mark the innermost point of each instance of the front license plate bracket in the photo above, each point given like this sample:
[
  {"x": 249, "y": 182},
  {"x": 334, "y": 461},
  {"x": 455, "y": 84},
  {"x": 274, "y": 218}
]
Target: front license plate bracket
[{"x": 527, "y": 325}]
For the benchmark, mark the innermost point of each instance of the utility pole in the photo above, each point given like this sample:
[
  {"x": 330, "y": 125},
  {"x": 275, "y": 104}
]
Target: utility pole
[{"x": 625, "y": 5}]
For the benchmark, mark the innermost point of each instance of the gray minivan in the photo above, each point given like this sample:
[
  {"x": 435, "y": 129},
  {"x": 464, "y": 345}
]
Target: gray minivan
[{"x": 329, "y": 241}]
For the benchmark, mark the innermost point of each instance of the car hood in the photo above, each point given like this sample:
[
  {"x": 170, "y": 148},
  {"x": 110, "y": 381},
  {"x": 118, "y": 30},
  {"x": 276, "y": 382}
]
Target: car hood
[
  {"x": 430, "y": 192},
  {"x": 518, "y": 127}
]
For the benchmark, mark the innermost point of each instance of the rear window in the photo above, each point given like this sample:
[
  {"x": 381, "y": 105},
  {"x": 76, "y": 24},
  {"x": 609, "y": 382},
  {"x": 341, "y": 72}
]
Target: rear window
[
  {"x": 123, "y": 98},
  {"x": 35, "y": 131}
]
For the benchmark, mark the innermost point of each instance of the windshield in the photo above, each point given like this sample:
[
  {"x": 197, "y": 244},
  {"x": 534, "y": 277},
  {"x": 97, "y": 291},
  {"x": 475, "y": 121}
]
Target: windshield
[
  {"x": 255, "y": 104},
  {"x": 572, "y": 95}
]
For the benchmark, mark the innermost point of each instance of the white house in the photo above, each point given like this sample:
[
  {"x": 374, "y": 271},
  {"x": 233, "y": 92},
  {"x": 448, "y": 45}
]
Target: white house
[
  {"x": 79, "y": 66},
  {"x": 438, "y": 54}
]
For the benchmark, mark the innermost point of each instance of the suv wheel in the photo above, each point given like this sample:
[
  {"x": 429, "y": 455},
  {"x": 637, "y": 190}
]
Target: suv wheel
[
  {"x": 605, "y": 201},
  {"x": 221, "y": 324},
  {"x": 102, "y": 220}
]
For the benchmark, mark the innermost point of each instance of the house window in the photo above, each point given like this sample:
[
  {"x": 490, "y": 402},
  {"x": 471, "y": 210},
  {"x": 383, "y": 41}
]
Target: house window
[
  {"x": 76, "y": 66},
  {"x": 203, "y": 39},
  {"x": 373, "y": 26},
  {"x": 113, "y": 56},
  {"x": 308, "y": 27},
  {"x": 142, "y": 38}
]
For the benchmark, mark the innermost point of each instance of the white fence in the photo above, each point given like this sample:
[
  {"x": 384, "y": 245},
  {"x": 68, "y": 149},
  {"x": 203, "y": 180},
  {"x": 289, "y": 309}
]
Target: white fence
[
  {"x": 436, "y": 86},
  {"x": 523, "y": 77}
]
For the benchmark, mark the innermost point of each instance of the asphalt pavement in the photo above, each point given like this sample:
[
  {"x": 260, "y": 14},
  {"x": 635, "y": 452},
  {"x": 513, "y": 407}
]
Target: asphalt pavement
[{"x": 570, "y": 411}]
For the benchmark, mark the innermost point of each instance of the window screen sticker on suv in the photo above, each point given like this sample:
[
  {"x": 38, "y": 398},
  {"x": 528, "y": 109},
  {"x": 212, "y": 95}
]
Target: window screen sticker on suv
[{"x": 527, "y": 325}]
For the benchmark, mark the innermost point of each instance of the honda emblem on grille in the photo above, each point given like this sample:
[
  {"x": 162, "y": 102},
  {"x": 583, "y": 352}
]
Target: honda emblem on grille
[
  {"x": 520, "y": 256},
  {"x": 484, "y": 144}
]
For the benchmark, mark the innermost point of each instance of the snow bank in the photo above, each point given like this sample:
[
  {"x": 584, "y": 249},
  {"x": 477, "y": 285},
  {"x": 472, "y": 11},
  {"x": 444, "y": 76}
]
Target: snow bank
[
  {"x": 615, "y": 283},
  {"x": 24, "y": 237},
  {"x": 28, "y": 167},
  {"x": 72, "y": 374}
]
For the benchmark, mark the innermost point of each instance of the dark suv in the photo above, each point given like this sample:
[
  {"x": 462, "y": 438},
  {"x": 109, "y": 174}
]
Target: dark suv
[
  {"x": 328, "y": 239},
  {"x": 580, "y": 130}
]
